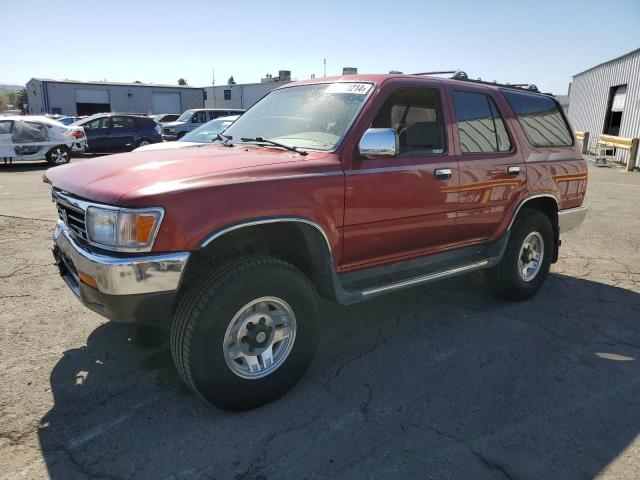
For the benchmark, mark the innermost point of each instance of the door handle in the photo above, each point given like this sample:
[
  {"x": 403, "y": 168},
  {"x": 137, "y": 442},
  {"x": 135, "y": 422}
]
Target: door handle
[
  {"x": 442, "y": 173},
  {"x": 514, "y": 170}
]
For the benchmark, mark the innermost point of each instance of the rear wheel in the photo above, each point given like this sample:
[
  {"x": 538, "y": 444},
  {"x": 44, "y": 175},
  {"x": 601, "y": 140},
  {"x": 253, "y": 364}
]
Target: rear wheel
[
  {"x": 59, "y": 155},
  {"x": 527, "y": 258},
  {"x": 247, "y": 333},
  {"x": 143, "y": 142}
]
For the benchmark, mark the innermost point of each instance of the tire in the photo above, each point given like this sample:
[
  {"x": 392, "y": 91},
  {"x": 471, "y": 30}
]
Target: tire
[
  {"x": 59, "y": 155},
  {"x": 205, "y": 318},
  {"x": 144, "y": 141},
  {"x": 508, "y": 279}
]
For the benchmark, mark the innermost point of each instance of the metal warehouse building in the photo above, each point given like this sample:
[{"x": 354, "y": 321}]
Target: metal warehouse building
[
  {"x": 605, "y": 99},
  {"x": 235, "y": 95},
  {"x": 69, "y": 97}
]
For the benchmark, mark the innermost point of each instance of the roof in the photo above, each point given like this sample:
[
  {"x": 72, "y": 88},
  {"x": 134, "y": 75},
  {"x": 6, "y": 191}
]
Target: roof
[
  {"x": 80, "y": 82},
  {"x": 33, "y": 118},
  {"x": 632, "y": 52},
  {"x": 379, "y": 79}
]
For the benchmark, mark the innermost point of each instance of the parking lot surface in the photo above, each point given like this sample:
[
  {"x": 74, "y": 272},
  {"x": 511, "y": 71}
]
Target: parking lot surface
[{"x": 438, "y": 381}]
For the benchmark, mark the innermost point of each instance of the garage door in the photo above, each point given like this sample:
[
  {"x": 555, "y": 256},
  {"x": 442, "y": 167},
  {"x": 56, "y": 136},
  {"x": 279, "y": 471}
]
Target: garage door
[
  {"x": 92, "y": 96},
  {"x": 166, "y": 102}
]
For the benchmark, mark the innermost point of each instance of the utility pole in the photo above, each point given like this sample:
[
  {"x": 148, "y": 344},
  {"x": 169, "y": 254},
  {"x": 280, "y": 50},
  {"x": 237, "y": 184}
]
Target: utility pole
[
  {"x": 213, "y": 85},
  {"x": 324, "y": 61}
]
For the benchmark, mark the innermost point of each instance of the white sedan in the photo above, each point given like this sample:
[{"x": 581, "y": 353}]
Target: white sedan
[
  {"x": 33, "y": 137},
  {"x": 207, "y": 133}
]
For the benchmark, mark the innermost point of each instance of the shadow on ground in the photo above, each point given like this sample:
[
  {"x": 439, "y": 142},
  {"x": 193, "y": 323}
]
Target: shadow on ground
[{"x": 442, "y": 381}]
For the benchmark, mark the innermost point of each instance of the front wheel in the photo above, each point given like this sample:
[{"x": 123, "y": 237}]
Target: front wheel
[
  {"x": 59, "y": 155},
  {"x": 527, "y": 258},
  {"x": 247, "y": 333}
]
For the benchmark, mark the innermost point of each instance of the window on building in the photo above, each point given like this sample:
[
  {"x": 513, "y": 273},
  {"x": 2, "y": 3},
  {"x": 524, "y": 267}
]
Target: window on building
[
  {"x": 416, "y": 114},
  {"x": 480, "y": 126},
  {"x": 615, "y": 107},
  {"x": 540, "y": 118},
  {"x": 227, "y": 94}
]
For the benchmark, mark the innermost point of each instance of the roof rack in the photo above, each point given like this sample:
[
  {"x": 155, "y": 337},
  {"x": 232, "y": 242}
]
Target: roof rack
[{"x": 460, "y": 75}]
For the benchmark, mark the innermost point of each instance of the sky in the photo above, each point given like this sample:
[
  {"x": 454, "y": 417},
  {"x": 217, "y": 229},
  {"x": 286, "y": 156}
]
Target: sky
[{"x": 541, "y": 42}]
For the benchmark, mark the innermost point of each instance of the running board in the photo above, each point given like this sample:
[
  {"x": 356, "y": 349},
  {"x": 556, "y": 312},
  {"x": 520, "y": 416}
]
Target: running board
[
  {"x": 425, "y": 278},
  {"x": 359, "y": 285}
]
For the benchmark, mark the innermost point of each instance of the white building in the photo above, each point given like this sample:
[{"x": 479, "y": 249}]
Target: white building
[
  {"x": 605, "y": 99},
  {"x": 235, "y": 95},
  {"x": 70, "y": 97}
]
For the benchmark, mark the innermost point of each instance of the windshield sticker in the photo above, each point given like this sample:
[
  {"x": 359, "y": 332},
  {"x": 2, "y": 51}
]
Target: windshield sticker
[{"x": 357, "y": 88}]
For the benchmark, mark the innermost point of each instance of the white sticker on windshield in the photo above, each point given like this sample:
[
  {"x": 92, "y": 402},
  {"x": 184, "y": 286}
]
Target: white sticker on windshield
[{"x": 347, "y": 87}]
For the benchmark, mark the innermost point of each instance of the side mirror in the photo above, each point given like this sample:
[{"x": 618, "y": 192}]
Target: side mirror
[{"x": 379, "y": 143}]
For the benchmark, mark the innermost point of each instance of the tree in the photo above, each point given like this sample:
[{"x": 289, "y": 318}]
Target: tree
[
  {"x": 22, "y": 98},
  {"x": 182, "y": 81},
  {"x": 231, "y": 81}
]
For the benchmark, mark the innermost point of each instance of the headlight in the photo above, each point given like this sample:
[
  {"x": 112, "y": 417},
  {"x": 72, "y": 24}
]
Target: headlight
[
  {"x": 172, "y": 130},
  {"x": 123, "y": 229}
]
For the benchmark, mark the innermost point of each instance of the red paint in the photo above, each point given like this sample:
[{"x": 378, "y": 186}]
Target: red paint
[{"x": 373, "y": 211}]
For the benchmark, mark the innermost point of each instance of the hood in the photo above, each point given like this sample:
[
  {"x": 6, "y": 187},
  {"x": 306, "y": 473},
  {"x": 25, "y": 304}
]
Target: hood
[
  {"x": 167, "y": 145},
  {"x": 172, "y": 124},
  {"x": 134, "y": 175}
]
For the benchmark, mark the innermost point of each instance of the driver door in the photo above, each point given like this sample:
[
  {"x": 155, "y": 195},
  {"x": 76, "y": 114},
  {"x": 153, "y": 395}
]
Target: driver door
[{"x": 403, "y": 206}]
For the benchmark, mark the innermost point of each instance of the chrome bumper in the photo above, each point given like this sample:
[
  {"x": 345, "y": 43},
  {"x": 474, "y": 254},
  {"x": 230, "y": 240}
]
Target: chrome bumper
[
  {"x": 571, "y": 218},
  {"x": 119, "y": 275}
]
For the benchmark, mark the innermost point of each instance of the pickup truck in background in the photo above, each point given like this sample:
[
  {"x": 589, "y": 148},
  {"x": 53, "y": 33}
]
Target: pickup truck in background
[{"x": 345, "y": 188}]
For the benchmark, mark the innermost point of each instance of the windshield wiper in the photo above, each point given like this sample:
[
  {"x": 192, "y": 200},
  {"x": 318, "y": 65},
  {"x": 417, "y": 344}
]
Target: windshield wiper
[
  {"x": 224, "y": 139},
  {"x": 275, "y": 144}
]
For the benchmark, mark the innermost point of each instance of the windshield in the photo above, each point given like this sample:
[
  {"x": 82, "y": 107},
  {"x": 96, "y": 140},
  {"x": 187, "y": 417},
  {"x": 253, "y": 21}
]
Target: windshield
[
  {"x": 185, "y": 116},
  {"x": 307, "y": 116},
  {"x": 207, "y": 132}
]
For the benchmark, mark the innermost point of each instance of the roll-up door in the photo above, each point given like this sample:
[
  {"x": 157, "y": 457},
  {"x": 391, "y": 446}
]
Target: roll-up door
[{"x": 166, "y": 102}]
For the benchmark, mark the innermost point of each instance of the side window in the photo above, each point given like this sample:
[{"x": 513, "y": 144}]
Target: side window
[
  {"x": 227, "y": 94},
  {"x": 416, "y": 114},
  {"x": 98, "y": 123},
  {"x": 213, "y": 115},
  {"x": 480, "y": 126},
  {"x": 5, "y": 127},
  {"x": 540, "y": 118},
  {"x": 199, "y": 117},
  {"x": 123, "y": 122}
]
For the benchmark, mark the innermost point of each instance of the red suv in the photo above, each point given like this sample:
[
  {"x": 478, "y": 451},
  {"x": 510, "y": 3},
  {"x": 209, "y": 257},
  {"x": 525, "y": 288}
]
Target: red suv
[{"x": 346, "y": 188}]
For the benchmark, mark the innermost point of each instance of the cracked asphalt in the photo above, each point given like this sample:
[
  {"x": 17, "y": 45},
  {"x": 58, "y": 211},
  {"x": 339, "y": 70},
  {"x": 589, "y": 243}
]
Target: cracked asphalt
[{"x": 440, "y": 381}]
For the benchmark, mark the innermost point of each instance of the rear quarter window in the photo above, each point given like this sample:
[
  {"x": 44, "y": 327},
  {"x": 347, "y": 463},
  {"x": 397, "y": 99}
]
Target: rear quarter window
[{"x": 540, "y": 118}]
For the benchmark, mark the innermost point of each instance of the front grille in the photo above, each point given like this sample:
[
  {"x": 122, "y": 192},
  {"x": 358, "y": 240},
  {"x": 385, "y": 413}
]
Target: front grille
[{"x": 73, "y": 217}]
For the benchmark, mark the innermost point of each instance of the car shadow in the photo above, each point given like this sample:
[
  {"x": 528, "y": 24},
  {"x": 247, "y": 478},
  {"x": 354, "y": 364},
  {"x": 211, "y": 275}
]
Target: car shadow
[{"x": 442, "y": 381}]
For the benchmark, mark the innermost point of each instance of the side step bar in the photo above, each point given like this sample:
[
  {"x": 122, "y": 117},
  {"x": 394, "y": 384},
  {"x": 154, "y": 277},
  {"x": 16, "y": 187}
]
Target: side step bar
[{"x": 425, "y": 278}]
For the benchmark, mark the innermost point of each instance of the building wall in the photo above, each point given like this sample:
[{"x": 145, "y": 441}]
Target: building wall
[
  {"x": 242, "y": 96},
  {"x": 44, "y": 96},
  {"x": 589, "y": 97}
]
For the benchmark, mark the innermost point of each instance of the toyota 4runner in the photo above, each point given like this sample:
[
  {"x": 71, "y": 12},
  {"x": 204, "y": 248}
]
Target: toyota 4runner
[{"x": 345, "y": 188}]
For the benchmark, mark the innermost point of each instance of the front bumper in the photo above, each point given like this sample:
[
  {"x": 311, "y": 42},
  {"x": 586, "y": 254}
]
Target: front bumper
[
  {"x": 571, "y": 218},
  {"x": 169, "y": 137},
  {"x": 125, "y": 289}
]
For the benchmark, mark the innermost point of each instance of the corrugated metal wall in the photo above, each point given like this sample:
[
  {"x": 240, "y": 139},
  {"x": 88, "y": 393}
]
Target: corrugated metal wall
[{"x": 589, "y": 96}]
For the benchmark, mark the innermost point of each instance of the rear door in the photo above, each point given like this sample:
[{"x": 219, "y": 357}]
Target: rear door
[
  {"x": 492, "y": 172},
  {"x": 403, "y": 206},
  {"x": 124, "y": 133}
]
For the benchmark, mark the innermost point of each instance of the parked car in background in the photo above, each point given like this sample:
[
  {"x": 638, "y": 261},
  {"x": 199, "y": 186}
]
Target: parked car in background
[
  {"x": 192, "y": 119},
  {"x": 68, "y": 120},
  {"x": 165, "y": 117},
  {"x": 39, "y": 138},
  {"x": 119, "y": 132},
  {"x": 207, "y": 133}
]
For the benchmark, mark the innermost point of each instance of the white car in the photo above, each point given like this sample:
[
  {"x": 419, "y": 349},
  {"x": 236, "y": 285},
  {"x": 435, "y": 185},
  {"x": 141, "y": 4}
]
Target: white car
[
  {"x": 203, "y": 135},
  {"x": 34, "y": 137}
]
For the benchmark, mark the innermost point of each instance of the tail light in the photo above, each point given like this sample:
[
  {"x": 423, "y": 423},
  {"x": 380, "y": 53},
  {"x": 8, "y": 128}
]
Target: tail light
[
  {"x": 78, "y": 133},
  {"x": 158, "y": 128}
]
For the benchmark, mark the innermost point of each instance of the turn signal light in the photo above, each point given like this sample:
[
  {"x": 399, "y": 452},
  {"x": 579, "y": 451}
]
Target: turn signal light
[{"x": 88, "y": 280}]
